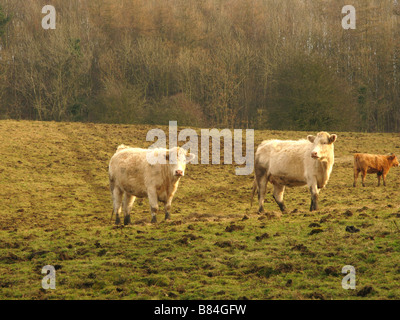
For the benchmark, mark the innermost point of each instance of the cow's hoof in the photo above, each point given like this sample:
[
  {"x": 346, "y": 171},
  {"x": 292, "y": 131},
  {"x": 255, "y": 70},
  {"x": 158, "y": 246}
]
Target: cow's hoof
[
  {"x": 167, "y": 216},
  {"x": 117, "y": 221},
  {"x": 127, "y": 220},
  {"x": 154, "y": 220}
]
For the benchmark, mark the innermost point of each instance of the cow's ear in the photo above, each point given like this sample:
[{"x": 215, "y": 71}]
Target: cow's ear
[
  {"x": 311, "y": 138},
  {"x": 332, "y": 138},
  {"x": 391, "y": 157},
  {"x": 190, "y": 157}
]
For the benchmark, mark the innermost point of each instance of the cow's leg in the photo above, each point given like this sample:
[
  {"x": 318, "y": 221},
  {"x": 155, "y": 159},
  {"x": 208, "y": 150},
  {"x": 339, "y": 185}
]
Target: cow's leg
[
  {"x": 363, "y": 175},
  {"x": 278, "y": 196},
  {"x": 262, "y": 190},
  {"x": 167, "y": 214},
  {"x": 168, "y": 208},
  {"x": 153, "y": 200},
  {"x": 384, "y": 178},
  {"x": 379, "y": 179},
  {"x": 356, "y": 172},
  {"x": 314, "y": 197},
  {"x": 127, "y": 206},
  {"x": 117, "y": 201}
]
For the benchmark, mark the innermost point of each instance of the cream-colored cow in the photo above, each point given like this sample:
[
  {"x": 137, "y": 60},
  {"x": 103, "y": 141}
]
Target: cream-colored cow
[
  {"x": 293, "y": 163},
  {"x": 134, "y": 173}
]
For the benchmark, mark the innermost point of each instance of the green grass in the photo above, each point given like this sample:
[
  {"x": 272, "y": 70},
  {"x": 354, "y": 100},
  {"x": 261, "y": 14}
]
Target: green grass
[{"x": 55, "y": 209}]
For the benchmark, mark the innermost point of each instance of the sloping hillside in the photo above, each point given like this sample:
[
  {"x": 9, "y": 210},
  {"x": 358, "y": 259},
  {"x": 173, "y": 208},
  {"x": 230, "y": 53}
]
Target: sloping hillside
[{"x": 55, "y": 209}]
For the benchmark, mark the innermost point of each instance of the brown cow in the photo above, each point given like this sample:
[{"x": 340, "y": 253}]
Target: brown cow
[{"x": 373, "y": 163}]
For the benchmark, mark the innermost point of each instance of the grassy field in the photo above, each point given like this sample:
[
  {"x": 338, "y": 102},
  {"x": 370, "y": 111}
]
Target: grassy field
[{"x": 55, "y": 209}]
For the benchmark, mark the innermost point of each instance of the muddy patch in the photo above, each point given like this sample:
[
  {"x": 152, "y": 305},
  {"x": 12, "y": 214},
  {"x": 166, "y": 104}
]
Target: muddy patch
[
  {"x": 233, "y": 227},
  {"x": 262, "y": 237}
]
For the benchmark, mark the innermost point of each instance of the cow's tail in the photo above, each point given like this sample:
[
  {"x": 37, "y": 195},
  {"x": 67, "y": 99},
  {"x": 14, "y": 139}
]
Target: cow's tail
[
  {"x": 112, "y": 182},
  {"x": 356, "y": 161},
  {"x": 112, "y": 186},
  {"x": 253, "y": 191}
]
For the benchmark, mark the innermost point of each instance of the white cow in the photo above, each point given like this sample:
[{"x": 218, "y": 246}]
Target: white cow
[
  {"x": 293, "y": 163},
  {"x": 132, "y": 175}
]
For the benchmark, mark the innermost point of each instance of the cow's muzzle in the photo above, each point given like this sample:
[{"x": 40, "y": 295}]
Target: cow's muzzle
[
  {"x": 314, "y": 155},
  {"x": 179, "y": 173}
]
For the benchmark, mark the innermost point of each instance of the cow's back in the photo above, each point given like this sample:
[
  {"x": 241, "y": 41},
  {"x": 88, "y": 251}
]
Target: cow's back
[
  {"x": 124, "y": 157},
  {"x": 372, "y": 163},
  {"x": 129, "y": 170},
  {"x": 284, "y": 160}
]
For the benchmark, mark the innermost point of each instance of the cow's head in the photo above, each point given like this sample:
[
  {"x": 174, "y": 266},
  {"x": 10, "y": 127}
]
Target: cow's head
[
  {"x": 178, "y": 158},
  {"x": 393, "y": 159},
  {"x": 322, "y": 145}
]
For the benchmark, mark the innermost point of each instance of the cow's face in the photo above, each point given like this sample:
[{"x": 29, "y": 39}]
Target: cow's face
[
  {"x": 178, "y": 158},
  {"x": 322, "y": 145},
  {"x": 393, "y": 158}
]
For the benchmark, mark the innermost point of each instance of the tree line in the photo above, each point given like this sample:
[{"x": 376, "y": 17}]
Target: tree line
[{"x": 276, "y": 64}]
